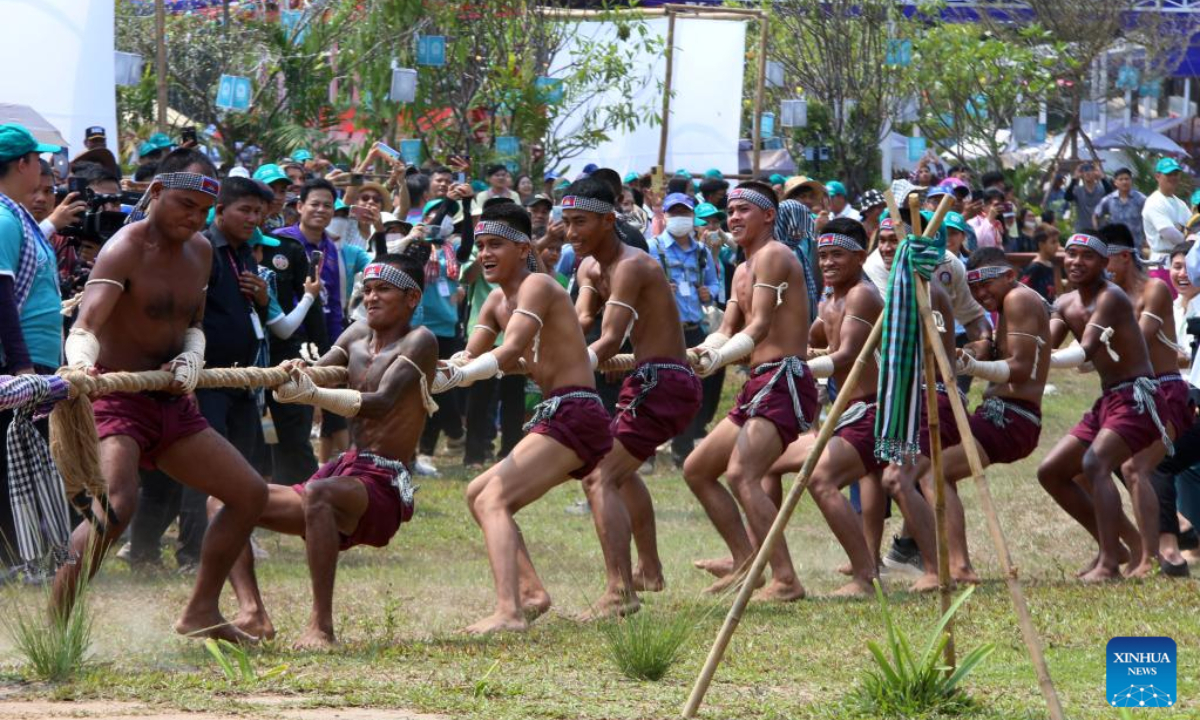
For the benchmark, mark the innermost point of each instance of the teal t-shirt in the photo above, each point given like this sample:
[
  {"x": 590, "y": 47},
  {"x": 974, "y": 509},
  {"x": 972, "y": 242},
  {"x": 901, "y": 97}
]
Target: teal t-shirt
[
  {"x": 440, "y": 311},
  {"x": 41, "y": 320}
]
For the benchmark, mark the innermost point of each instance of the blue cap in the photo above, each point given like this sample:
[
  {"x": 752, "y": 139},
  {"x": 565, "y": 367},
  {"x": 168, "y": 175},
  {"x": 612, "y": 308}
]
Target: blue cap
[
  {"x": 270, "y": 173},
  {"x": 1167, "y": 166},
  {"x": 590, "y": 168},
  {"x": 302, "y": 155},
  {"x": 258, "y": 238},
  {"x": 674, "y": 199},
  {"x": 938, "y": 191},
  {"x": 682, "y": 172},
  {"x": 631, "y": 177},
  {"x": 954, "y": 220},
  {"x": 777, "y": 179},
  {"x": 550, "y": 175},
  {"x": 1195, "y": 200},
  {"x": 16, "y": 141},
  {"x": 713, "y": 174},
  {"x": 833, "y": 187}
]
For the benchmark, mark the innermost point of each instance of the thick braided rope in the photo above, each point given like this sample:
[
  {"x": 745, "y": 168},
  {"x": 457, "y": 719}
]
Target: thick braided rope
[{"x": 157, "y": 380}]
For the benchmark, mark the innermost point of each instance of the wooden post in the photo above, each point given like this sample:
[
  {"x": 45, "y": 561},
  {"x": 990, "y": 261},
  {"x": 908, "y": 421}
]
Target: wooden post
[
  {"x": 756, "y": 137},
  {"x": 160, "y": 32},
  {"x": 666, "y": 107},
  {"x": 1032, "y": 643},
  {"x": 935, "y": 457},
  {"x": 781, "y": 520}
]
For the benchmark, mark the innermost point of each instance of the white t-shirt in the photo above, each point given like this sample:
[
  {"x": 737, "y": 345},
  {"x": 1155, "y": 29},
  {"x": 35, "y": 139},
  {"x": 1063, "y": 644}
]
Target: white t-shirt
[
  {"x": 1159, "y": 213},
  {"x": 849, "y": 212},
  {"x": 952, "y": 275}
]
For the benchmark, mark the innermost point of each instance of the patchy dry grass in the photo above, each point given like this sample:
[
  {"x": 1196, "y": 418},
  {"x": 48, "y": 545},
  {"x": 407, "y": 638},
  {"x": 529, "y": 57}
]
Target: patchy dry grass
[{"x": 399, "y": 609}]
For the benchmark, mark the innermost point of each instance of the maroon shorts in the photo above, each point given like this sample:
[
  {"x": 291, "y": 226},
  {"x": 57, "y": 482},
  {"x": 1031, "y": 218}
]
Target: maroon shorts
[
  {"x": 155, "y": 421},
  {"x": 1006, "y": 434},
  {"x": 657, "y": 403},
  {"x": 575, "y": 417},
  {"x": 389, "y": 495},
  {"x": 1177, "y": 406},
  {"x": 768, "y": 395},
  {"x": 1116, "y": 410},
  {"x": 947, "y": 427},
  {"x": 860, "y": 432}
]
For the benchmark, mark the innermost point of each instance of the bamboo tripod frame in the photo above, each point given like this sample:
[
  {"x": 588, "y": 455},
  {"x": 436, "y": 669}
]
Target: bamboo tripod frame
[{"x": 934, "y": 349}]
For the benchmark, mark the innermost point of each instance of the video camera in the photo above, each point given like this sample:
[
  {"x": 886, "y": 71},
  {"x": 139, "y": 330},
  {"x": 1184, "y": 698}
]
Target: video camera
[{"x": 96, "y": 224}]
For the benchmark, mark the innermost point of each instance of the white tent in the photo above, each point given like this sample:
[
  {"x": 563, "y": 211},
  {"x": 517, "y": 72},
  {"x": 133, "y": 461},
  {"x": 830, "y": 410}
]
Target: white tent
[
  {"x": 1140, "y": 137},
  {"x": 59, "y": 55}
]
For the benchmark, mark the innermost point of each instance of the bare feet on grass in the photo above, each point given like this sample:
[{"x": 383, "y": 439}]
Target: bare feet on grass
[
  {"x": 647, "y": 580},
  {"x": 928, "y": 582},
  {"x": 781, "y": 592},
  {"x": 256, "y": 624},
  {"x": 497, "y": 622},
  {"x": 1141, "y": 570},
  {"x": 718, "y": 567},
  {"x": 731, "y": 580},
  {"x": 855, "y": 588},
  {"x": 213, "y": 626},
  {"x": 1124, "y": 555},
  {"x": 316, "y": 639},
  {"x": 612, "y": 605},
  {"x": 845, "y": 569},
  {"x": 1099, "y": 573},
  {"x": 535, "y": 605}
]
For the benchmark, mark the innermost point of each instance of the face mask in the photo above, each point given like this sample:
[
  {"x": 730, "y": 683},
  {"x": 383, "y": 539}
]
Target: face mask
[{"x": 679, "y": 226}]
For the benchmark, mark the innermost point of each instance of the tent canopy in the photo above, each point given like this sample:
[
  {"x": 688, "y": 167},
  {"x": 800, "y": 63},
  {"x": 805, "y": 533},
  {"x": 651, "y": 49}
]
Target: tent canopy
[
  {"x": 1141, "y": 137},
  {"x": 37, "y": 125}
]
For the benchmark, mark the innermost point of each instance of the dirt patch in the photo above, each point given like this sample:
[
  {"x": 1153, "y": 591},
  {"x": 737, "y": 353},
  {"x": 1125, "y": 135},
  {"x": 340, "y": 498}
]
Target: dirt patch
[{"x": 271, "y": 708}]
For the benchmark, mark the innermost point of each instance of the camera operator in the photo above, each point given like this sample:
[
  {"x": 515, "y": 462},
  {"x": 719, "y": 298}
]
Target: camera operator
[{"x": 93, "y": 214}]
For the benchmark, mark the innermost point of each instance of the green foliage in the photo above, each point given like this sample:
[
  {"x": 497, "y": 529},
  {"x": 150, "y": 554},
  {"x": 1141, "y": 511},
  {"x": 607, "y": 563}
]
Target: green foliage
[
  {"x": 54, "y": 644},
  {"x": 972, "y": 83},
  {"x": 645, "y": 645},
  {"x": 483, "y": 688},
  {"x": 906, "y": 685},
  {"x": 236, "y": 665}
]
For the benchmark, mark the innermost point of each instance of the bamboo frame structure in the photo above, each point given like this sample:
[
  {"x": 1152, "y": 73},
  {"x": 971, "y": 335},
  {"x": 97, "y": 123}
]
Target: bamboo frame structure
[{"x": 934, "y": 349}]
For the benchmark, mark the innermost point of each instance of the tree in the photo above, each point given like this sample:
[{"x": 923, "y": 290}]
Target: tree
[
  {"x": 488, "y": 87},
  {"x": 290, "y": 71},
  {"x": 837, "y": 52},
  {"x": 972, "y": 83}
]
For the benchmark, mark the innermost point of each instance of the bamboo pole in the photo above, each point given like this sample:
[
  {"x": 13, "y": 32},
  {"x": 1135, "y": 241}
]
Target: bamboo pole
[
  {"x": 666, "y": 106},
  {"x": 160, "y": 62},
  {"x": 756, "y": 142},
  {"x": 1029, "y": 634},
  {"x": 781, "y": 520},
  {"x": 789, "y": 504},
  {"x": 934, "y": 427},
  {"x": 1033, "y": 644}
]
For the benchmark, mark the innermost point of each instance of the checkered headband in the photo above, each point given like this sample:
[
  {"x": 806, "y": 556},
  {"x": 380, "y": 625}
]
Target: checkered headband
[
  {"x": 1119, "y": 249},
  {"x": 189, "y": 181},
  {"x": 839, "y": 240},
  {"x": 391, "y": 275},
  {"x": 1091, "y": 242},
  {"x": 983, "y": 274},
  {"x": 491, "y": 227},
  {"x": 753, "y": 197},
  {"x": 579, "y": 202}
]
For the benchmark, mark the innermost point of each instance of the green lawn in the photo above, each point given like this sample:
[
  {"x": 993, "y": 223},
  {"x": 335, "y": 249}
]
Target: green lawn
[{"x": 399, "y": 611}]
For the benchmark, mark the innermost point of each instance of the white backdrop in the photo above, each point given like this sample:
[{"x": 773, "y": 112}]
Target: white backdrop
[
  {"x": 705, "y": 109},
  {"x": 58, "y": 59}
]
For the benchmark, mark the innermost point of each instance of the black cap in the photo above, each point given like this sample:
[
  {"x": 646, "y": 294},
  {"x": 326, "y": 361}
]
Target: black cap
[
  {"x": 95, "y": 131},
  {"x": 538, "y": 198}
]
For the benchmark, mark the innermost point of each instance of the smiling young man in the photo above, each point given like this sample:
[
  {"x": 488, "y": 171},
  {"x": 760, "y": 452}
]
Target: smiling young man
[
  {"x": 1007, "y": 424},
  {"x": 847, "y": 315},
  {"x": 768, "y": 319},
  {"x": 657, "y": 402},
  {"x": 363, "y": 496},
  {"x": 569, "y": 433},
  {"x": 143, "y": 309},
  {"x": 1126, "y": 419}
]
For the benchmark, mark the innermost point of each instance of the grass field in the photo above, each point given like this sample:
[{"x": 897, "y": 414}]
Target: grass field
[{"x": 399, "y": 610}]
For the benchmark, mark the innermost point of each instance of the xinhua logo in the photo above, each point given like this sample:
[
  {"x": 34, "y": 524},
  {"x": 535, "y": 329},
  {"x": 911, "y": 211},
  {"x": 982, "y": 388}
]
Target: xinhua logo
[{"x": 1141, "y": 672}]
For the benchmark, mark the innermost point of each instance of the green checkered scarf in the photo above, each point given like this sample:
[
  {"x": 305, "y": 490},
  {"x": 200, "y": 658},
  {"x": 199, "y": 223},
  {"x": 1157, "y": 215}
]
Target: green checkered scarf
[{"x": 898, "y": 418}]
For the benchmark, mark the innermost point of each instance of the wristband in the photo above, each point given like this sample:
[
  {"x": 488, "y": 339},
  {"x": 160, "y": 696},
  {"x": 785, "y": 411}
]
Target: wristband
[
  {"x": 821, "y": 367},
  {"x": 1069, "y": 357},
  {"x": 82, "y": 348}
]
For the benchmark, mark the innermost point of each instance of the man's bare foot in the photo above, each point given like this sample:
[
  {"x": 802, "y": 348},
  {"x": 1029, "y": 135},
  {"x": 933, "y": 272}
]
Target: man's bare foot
[
  {"x": 213, "y": 626},
  {"x": 256, "y": 624},
  {"x": 498, "y": 623},
  {"x": 731, "y": 580},
  {"x": 845, "y": 569},
  {"x": 1124, "y": 555},
  {"x": 645, "y": 581},
  {"x": 1141, "y": 570},
  {"x": 965, "y": 577},
  {"x": 718, "y": 567},
  {"x": 928, "y": 582},
  {"x": 535, "y": 606},
  {"x": 1100, "y": 574},
  {"x": 781, "y": 592},
  {"x": 855, "y": 588},
  {"x": 316, "y": 639},
  {"x": 612, "y": 605}
]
